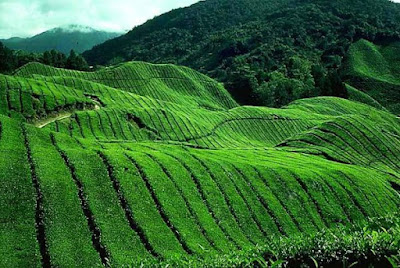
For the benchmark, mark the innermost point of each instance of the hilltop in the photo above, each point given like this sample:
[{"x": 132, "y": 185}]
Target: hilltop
[
  {"x": 152, "y": 164},
  {"x": 251, "y": 46},
  {"x": 63, "y": 39}
]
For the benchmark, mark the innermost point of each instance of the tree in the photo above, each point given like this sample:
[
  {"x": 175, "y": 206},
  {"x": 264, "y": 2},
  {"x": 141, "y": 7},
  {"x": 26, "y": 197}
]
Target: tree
[
  {"x": 76, "y": 62},
  {"x": 278, "y": 91},
  {"x": 24, "y": 57},
  {"x": 61, "y": 60},
  {"x": 337, "y": 87},
  {"x": 11, "y": 60},
  {"x": 8, "y": 61},
  {"x": 47, "y": 59},
  {"x": 319, "y": 75},
  {"x": 72, "y": 60},
  {"x": 300, "y": 69},
  {"x": 242, "y": 83}
]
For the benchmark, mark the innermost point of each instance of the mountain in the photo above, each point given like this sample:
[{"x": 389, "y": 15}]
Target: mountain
[
  {"x": 251, "y": 45},
  {"x": 63, "y": 39},
  {"x": 156, "y": 165}
]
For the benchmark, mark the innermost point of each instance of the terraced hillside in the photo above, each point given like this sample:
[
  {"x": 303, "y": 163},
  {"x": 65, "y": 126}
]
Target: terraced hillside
[
  {"x": 374, "y": 69},
  {"x": 156, "y": 163}
]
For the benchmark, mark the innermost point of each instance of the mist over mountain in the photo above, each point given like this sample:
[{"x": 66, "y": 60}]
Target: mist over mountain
[{"x": 63, "y": 39}]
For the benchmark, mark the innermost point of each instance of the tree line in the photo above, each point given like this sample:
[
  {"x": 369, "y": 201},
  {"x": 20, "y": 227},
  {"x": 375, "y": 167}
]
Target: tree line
[{"x": 11, "y": 60}]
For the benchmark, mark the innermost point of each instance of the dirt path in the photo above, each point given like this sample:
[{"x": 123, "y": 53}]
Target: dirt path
[{"x": 45, "y": 122}]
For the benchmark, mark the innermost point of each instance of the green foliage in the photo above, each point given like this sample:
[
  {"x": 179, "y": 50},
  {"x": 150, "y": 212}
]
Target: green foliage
[
  {"x": 12, "y": 60},
  {"x": 7, "y": 60},
  {"x": 56, "y": 59},
  {"x": 242, "y": 42},
  {"x": 373, "y": 69},
  {"x": 144, "y": 164},
  {"x": 296, "y": 82},
  {"x": 373, "y": 243},
  {"x": 18, "y": 244},
  {"x": 163, "y": 82},
  {"x": 357, "y": 95},
  {"x": 76, "y": 62}
]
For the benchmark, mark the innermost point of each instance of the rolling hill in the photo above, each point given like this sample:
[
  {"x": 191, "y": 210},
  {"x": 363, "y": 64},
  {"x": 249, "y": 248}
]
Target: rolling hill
[
  {"x": 62, "y": 39},
  {"x": 243, "y": 43},
  {"x": 143, "y": 163},
  {"x": 374, "y": 69}
]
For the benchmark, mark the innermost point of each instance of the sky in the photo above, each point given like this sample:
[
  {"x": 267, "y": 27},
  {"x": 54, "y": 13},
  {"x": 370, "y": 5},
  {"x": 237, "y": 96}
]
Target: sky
[{"x": 25, "y": 18}]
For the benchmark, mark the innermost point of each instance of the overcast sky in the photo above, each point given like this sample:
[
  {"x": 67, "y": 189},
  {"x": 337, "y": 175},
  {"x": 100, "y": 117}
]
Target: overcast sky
[{"x": 25, "y": 18}]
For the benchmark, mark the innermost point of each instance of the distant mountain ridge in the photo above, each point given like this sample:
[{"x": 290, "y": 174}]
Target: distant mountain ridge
[{"x": 73, "y": 36}]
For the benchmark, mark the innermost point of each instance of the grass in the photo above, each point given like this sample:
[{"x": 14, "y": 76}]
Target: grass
[{"x": 157, "y": 165}]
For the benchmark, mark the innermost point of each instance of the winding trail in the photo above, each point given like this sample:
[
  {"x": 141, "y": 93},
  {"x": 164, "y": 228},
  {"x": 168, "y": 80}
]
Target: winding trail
[{"x": 45, "y": 122}]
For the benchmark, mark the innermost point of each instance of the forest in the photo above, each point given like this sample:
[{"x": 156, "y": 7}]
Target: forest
[
  {"x": 253, "y": 47},
  {"x": 11, "y": 60}
]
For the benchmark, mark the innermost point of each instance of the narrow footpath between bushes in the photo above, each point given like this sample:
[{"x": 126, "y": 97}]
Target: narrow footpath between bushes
[{"x": 44, "y": 122}]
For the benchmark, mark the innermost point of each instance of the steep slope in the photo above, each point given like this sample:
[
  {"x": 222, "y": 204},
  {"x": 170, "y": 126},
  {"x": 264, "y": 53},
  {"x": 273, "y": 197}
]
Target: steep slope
[
  {"x": 63, "y": 39},
  {"x": 242, "y": 42},
  {"x": 374, "y": 69},
  {"x": 184, "y": 26},
  {"x": 130, "y": 177},
  {"x": 355, "y": 94}
]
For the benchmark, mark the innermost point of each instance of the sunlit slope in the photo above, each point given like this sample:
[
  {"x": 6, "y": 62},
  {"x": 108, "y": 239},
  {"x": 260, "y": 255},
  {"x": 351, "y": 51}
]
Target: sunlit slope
[
  {"x": 165, "y": 82},
  {"x": 357, "y": 134},
  {"x": 116, "y": 177},
  {"x": 31, "y": 99},
  {"x": 375, "y": 69}
]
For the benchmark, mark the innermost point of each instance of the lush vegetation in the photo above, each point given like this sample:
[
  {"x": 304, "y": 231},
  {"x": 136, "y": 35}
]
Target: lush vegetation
[
  {"x": 372, "y": 243},
  {"x": 266, "y": 52},
  {"x": 374, "y": 69},
  {"x": 157, "y": 164},
  {"x": 10, "y": 60}
]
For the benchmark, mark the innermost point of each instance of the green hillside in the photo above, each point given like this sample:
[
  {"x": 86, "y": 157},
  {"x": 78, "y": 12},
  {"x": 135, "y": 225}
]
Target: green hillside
[
  {"x": 157, "y": 164},
  {"x": 164, "y": 82},
  {"x": 375, "y": 70},
  {"x": 245, "y": 43}
]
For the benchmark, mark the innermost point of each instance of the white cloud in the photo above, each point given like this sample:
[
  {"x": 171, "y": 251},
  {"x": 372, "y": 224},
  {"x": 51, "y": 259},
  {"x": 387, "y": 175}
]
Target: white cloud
[{"x": 29, "y": 17}]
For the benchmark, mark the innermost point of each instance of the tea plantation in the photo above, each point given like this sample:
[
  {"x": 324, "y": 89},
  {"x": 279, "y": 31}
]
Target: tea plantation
[
  {"x": 157, "y": 164},
  {"x": 374, "y": 69}
]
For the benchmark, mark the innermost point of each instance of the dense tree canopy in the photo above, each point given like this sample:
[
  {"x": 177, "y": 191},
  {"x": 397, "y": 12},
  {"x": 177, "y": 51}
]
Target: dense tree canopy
[
  {"x": 250, "y": 44},
  {"x": 7, "y": 60},
  {"x": 11, "y": 60}
]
